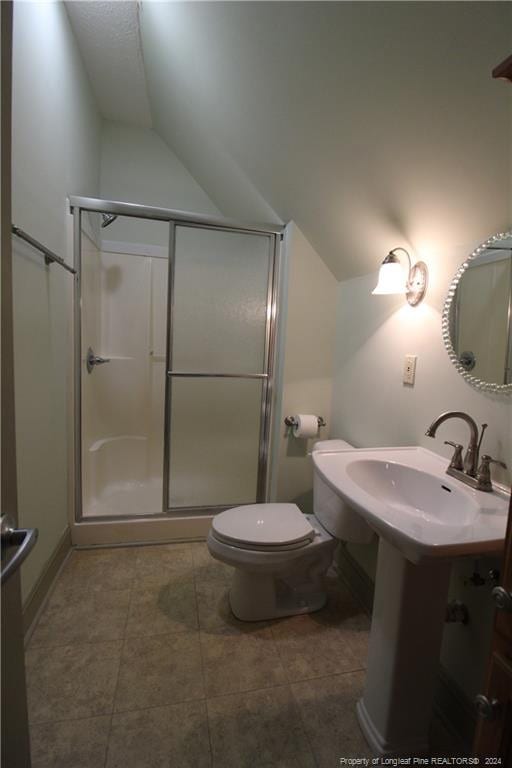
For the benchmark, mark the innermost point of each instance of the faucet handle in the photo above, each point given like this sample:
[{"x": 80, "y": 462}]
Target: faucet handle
[
  {"x": 456, "y": 462},
  {"x": 483, "y": 476},
  {"x": 489, "y": 460}
]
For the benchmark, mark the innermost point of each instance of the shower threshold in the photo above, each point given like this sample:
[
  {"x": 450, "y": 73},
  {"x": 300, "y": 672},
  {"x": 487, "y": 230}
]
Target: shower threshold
[{"x": 140, "y": 530}]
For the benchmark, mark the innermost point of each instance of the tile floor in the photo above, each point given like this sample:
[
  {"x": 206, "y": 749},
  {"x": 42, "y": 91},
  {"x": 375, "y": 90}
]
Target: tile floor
[{"x": 137, "y": 662}]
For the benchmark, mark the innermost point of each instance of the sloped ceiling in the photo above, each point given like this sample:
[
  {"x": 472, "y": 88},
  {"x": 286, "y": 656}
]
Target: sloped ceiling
[
  {"x": 358, "y": 120},
  {"x": 108, "y": 36}
]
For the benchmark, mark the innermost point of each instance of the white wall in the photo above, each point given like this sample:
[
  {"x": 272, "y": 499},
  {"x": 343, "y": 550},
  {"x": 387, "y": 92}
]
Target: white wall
[
  {"x": 372, "y": 407},
  {"x": 56, "y": 143},
  {"x": 307, "y": 345},
  {"x": 347, "y": 117},
  {"x": 137, "y": 167},
  {"x": 440, "y": 222}
]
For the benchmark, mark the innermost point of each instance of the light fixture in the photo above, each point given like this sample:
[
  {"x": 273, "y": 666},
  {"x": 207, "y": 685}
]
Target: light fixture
[{"x": 392, "y": 279}]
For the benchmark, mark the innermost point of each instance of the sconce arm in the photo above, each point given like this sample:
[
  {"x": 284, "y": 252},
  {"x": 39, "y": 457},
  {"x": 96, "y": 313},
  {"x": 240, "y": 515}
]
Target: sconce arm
[{"x": 399, "y": 248}]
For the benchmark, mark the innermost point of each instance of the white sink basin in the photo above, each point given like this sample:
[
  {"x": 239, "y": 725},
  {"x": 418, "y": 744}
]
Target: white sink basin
[
  {"x": 412, "y": 492},
  {"x": 405, "y": 495}
]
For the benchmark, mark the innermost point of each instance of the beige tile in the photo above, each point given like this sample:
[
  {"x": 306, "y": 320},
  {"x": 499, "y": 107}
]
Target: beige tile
[
  {"x": 161, "y": 737},
  {"x": 159, "y": 670},
  {"x": 213, "y": 605},
  {"x": 310, "y": 649},
  {"x": 328, "y": 711},
  {"x": 72, "y": 682},
  {"x": 71, "y": 744},
  {"x": 337, "y": 616},
  {"x": 93, "y": 617},
  {"x": 206, "y": 568},
  {"x": 95, "y": 569},
  {"x": 158, "y": 564},
  {"x": 356, "y": 631},
  {"x": 345, "y": 614},
  {"x": 240, "y": 660},
  {"x": 163, "y": 609},
  {"x": 261, "y": 728}
]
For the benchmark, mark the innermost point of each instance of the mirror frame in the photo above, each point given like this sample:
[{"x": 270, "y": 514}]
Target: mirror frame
[{"x": 484, "y": 386}]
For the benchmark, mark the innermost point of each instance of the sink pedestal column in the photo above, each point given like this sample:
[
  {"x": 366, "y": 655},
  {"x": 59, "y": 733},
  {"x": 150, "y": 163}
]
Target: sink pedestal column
[{"x": 403, "y": 660}]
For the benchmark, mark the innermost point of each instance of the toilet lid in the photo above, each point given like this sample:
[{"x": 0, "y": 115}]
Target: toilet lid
[{"x": 264, "y": 525}]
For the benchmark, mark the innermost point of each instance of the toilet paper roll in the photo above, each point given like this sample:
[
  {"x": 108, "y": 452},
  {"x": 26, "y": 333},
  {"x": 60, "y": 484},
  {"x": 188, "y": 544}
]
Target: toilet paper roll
[{"x": 306, "y": 425}]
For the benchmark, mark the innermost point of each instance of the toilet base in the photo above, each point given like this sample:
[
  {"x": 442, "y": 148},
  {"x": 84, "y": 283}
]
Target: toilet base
[{"x": 260, "y": 597}]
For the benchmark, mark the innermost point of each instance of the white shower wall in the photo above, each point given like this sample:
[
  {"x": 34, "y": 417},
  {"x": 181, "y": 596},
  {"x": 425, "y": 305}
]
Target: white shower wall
[{"x": 124, "y": 297}]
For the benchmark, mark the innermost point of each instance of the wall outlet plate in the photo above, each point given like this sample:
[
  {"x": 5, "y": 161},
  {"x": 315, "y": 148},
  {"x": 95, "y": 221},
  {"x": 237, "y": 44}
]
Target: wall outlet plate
[{"x": 409, "y": 369}]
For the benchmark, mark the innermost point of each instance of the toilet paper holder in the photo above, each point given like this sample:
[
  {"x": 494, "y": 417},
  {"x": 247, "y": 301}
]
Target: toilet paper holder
[{"x": 291, "y": 421}]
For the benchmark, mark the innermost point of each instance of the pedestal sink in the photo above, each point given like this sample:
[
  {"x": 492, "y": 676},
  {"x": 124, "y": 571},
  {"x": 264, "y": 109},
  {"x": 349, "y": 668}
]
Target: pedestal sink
[{"x": 425, "y": 520}]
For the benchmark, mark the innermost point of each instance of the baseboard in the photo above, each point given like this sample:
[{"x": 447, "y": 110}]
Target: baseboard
[
  {"x": 37, "y": 597},
  {"x": 451, "y": 704}
]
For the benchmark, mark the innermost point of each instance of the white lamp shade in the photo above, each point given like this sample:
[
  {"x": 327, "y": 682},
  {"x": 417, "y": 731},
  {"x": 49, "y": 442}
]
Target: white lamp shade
[{"x": 391, "y": 279}]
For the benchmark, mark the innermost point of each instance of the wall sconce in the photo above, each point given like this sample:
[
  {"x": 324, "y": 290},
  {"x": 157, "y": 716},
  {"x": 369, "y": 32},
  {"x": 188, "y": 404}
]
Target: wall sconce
[{"x": 392, "y": 279}]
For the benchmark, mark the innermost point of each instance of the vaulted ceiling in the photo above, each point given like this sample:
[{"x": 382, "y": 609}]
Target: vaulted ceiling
[
  {"x": 359, "y": 120},
  {"x": 109, "y": 40}
]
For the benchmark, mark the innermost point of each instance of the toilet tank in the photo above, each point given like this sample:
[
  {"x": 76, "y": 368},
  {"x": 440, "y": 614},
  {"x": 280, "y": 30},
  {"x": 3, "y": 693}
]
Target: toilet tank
[{"x": 340, "y": 520}]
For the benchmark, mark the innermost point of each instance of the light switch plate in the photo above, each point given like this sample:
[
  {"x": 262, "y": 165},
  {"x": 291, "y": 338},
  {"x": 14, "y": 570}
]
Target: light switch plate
[{"x": 409, "y": 369}]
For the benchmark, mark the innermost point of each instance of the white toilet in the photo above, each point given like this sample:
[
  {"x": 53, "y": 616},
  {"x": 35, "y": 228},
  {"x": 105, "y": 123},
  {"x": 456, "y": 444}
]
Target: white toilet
[{"x": 279, "y": 554}]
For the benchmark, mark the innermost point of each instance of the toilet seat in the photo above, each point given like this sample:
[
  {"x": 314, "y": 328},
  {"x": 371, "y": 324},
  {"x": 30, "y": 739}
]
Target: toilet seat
[{"x": 264, "y": 527}]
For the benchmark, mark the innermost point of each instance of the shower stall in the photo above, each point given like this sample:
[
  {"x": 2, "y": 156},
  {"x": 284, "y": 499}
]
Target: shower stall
[{"x": 174, "y": 332}]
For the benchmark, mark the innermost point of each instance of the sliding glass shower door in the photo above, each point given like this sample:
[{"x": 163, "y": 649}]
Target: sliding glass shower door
[
  {"x": 218, "y": 377},
  {"x": 174, "y": 319},
  {"x": 174, "y": 331}
]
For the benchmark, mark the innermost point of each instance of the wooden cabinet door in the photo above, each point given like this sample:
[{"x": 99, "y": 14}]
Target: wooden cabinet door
[
  {"x": 494, "y": 733},
  {"x": 494, "y": 736}
]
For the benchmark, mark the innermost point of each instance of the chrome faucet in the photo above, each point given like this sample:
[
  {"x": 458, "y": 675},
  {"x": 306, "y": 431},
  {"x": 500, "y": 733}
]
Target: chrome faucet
[{"x": 467, "y": 469}]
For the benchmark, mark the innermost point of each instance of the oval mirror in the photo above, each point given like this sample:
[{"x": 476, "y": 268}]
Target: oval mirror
[{"x": 477, "y": 316}]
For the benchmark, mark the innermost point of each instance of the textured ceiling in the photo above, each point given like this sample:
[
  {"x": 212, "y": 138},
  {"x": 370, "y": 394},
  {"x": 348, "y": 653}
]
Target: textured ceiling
[
  {"x": 109, "y": 40},
  {"x": 361, "y": 121}
]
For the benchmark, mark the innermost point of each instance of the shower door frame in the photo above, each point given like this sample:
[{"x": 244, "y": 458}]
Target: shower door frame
[
  {"x": 180, "y": 523},
  {"x": 266, "y": 377}
]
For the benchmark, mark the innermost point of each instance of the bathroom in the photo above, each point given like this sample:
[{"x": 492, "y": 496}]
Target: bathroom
[{"x": 313, "y": 138}]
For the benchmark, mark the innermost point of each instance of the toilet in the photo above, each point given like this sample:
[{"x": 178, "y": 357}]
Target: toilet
[{"x": 279, "y": 555}]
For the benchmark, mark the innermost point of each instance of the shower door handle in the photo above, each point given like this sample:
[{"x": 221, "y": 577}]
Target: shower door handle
[{"x": 92, "y": 360}]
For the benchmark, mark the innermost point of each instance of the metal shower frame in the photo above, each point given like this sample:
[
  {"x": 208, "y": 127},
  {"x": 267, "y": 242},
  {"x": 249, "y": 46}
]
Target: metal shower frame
[{"x": 175, "y": 218}]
